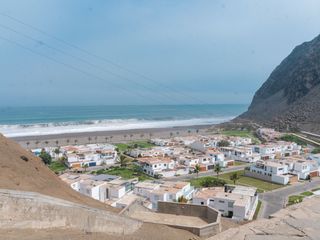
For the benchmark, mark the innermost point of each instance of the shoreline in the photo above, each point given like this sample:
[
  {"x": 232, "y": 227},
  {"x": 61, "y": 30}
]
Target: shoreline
[{"x": 116, "y": 136}]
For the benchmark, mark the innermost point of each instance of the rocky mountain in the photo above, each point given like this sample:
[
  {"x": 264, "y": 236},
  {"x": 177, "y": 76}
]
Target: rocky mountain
[{"x": 290, "y": 98}]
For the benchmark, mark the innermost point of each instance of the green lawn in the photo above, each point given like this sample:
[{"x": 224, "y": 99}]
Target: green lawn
[
  {"x": 255, "y": 216},
  {"x": 136, "y": 144},
  {"x": 57, "y": 166},
  {"x": 261, "y": 185},
  {"x": 236, "y": 163},
  {"x": 307, "y": 194},
  {"x": 295, "y": 199},
  {"x": 241, "y": 133},
  {"x": 131, "y": 171}
]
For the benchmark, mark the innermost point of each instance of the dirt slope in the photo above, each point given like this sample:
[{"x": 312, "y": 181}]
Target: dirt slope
[{"x": 32, "y": 175}]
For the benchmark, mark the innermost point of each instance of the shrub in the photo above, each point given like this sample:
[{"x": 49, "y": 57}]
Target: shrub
[{"x": 212, "y": 182}]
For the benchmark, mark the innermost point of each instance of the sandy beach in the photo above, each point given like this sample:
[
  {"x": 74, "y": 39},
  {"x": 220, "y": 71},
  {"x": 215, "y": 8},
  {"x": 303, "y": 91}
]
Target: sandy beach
[{"x": 108, "y": 136}]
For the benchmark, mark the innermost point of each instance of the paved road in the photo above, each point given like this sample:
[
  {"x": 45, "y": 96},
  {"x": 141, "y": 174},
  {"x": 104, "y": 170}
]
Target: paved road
[
  {"x": 275, "y": 200},
  {"x": 205, "y": 174}
]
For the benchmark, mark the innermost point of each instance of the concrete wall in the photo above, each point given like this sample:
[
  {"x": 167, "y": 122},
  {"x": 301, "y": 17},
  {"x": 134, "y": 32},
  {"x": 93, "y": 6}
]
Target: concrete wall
[
  {"x": 28, "y": 210},
  {"x": 257, "y": 175},
  {"x": 208, "y": 214}
]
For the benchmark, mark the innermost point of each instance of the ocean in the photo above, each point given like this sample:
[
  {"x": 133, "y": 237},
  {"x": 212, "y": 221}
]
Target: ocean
[{"x": 34, "y": 121}]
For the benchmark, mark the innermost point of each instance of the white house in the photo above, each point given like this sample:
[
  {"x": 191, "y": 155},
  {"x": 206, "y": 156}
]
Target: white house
[
  {"x": 243, "y": 154},
  {"x": 270, "y": 171},
  {"x": 236, "y": 202},
  {"x": 156, "y": 166}
]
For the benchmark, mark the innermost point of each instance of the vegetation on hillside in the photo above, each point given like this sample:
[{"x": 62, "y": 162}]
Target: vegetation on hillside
[
  {"x": 242, "y": 133},
  {"x": 292, "y": 138},
  {"x": 316, "y": 150}
]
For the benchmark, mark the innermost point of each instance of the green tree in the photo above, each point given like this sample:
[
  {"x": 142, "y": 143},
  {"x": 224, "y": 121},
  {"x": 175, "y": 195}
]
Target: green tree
[
  {"x": 197, "y": 169},
  {"x": 234, "y": 177},
  {"x": 316, "y": 150},
  {"x": 123, "y": 160},
  {"x": 57, "y": 151},
  {"x": 217, "y": 169},
  {"x": 182, "y": 199},
  {"x": 223, "y": 143},
  {"x": 85, "y": 167},
  {"x": 45, "y": 157}
]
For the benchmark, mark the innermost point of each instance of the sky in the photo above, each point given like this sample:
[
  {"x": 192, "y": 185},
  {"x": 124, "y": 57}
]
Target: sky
[{"x": 105, "y": 52}]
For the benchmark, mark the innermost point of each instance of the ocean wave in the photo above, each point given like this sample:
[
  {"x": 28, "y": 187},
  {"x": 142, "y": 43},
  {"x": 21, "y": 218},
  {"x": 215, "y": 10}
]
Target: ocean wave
[{"x": 101, "y": 125}]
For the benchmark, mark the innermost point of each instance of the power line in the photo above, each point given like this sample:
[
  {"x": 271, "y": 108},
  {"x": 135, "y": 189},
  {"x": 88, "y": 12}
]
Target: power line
[
  {"x": 69, "y": 66},
  {"x": 100, "y": 57},
  {"x": 83, "y": 60}
]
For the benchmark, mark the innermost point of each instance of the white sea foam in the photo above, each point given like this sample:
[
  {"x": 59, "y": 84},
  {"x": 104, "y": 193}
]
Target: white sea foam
[{"x": 100, "y": 125}]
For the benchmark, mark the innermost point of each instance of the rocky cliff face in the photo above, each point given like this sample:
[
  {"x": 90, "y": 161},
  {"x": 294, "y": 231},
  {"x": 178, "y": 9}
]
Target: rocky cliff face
[{"x": 291, "y": 95}]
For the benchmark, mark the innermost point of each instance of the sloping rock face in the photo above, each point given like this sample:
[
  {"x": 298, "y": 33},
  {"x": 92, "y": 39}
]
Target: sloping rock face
[
  {"x": 299, "y": 221},
  {"x": 291, "y": 95}
]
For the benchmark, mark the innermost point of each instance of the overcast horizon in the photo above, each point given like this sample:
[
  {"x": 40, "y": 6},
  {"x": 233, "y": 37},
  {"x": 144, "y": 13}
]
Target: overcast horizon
[{"x": 60, "y": 53}]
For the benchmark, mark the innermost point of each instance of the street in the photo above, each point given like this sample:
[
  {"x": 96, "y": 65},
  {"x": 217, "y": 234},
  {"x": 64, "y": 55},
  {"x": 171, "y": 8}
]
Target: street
[{"x": 275, "y": 200}]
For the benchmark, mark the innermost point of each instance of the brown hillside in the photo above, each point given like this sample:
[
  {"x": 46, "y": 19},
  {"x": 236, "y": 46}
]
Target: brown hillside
[{"x": 32, "y": 175}]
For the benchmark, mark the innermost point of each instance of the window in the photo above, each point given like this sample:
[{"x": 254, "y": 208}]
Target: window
[
  {"x": 202, "y": 203},
  {"x": 220, "y": 201},
  {"x": 230, "y": 204}
]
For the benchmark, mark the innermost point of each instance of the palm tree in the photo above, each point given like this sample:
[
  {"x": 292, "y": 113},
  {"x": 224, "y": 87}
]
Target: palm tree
[
  {"x": 217, "y": 169},
  {"x": 89, "y": 139},
  {"x": 28, "y": 143},
  {"x": 197, "y": 131},
  {"x": 197, "y": 169},
  {"x": 125, "y": 136},
  {"x": 234, "y": 177},
  {"x": 171, "y": 134},
  {"x": 150, "y": 135},
  {"x": 37, "y": 142},
  {"x": 177, "y": 133},
  {"x": 106, "y": 138},
  {"x": 46, "y": 142},
  {"x": 111, "y": 138},
  {"x": 123, "y": 161},
  {"x": 131, "y": 135},
  {"x": 85, "y": 166},
  {"x": 76, "y": 141},
  {"x": 57, "y": 142},
  {"x": 182, "y": 199},
  {"x": 96, "y": 139},
  {"x": 141, "y": 135},
  {"x": 189, "y": 131},
  {"x": 68, "y": 140}
]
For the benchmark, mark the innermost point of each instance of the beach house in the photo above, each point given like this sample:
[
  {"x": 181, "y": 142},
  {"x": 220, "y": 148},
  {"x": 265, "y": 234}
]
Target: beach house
[
  {"x": 236, "y": 202},
  {"x": 271, "y": 171}
]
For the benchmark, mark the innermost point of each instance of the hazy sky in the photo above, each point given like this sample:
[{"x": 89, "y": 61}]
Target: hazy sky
[{"x": 183, "y": 51}]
